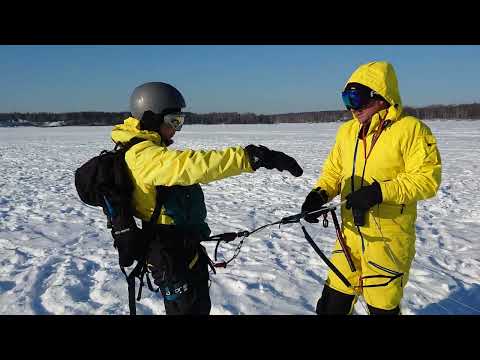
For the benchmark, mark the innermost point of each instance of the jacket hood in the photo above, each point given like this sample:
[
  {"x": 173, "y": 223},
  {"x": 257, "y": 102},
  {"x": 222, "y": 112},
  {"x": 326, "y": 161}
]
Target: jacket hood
[
  {"x": 380, "y": 76},
  {"x": 131, "y": 128}
]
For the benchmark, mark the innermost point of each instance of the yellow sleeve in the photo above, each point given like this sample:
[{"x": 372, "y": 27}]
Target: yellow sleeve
[
  {"x": 423, "y": 170},
  {"x": 331, "y": 176},
  {"x": 156, "y": 165}
]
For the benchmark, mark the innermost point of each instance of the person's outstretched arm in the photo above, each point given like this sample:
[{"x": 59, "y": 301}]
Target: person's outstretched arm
[{"x": 159, "y": 166}]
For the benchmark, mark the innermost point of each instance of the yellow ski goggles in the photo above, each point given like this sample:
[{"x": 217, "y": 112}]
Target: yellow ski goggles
[{"x": 175, "y": 120}]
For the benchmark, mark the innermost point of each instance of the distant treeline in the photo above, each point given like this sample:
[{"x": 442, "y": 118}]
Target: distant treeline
[
  {"x": 70, "y": 118},
  {"x": 463, "y": 111}
]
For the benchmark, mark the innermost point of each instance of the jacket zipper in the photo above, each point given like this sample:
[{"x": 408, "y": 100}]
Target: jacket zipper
[{"x": 384, "y": 268}]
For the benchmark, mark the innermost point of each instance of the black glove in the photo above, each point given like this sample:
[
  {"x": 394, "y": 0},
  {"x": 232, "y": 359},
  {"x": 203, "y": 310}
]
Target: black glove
[
  {"x": 365, "y": 197},
  {"x": 314, "y": 201},
  {"x": 261, "y": 156}
]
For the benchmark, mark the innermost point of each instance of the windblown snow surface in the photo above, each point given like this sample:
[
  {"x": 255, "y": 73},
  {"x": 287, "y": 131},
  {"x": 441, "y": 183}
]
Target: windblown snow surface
[{"x": 56, "y": 255}]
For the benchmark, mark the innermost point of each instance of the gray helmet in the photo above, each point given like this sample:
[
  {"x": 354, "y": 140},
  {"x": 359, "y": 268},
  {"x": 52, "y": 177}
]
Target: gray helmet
[{"x": 156, "y": 97}]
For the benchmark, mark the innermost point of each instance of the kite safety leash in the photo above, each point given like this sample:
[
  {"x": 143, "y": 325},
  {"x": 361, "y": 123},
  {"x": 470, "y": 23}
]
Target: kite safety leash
[{"x": 324, "y": 210}]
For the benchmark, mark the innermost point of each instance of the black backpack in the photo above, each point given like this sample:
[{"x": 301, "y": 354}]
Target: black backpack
[{"x": 104, "y": 181}]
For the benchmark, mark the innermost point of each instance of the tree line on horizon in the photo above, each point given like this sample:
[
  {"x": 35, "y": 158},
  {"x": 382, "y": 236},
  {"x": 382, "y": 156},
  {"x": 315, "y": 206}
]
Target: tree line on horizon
[{"x": 462, "y": 111}]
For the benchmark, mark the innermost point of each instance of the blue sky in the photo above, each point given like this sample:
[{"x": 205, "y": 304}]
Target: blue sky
[{"x": 259, "y": 78}]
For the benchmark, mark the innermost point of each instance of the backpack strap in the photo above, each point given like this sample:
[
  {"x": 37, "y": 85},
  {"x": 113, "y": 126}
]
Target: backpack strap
[
  {"x": 141, "y": 269},
  {"x": 160, "y": 197},
  {"x": 126, "y": 146}
]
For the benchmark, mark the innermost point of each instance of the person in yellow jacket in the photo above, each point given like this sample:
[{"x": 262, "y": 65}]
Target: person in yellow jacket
[
  {"x": 382, "y": 163},
  {"x": 178, "y": 263}
]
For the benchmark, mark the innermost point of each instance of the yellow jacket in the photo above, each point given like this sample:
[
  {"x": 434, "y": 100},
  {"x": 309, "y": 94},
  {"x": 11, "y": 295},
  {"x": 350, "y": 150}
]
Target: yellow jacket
[
  {"x": 150, "y": 164},
  {"x": 404, "y": 160}
]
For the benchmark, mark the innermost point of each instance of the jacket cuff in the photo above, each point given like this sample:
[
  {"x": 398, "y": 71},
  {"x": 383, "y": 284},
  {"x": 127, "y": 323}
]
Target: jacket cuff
[
  {"x": 388, "y": 191},
  {"x": 247, "y": 165},
  {"x": 323, "y": 193}
]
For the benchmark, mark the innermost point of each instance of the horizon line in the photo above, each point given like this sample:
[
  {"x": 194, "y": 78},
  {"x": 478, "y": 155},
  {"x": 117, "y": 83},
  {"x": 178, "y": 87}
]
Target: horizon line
[{"x": 224, "y": 112}]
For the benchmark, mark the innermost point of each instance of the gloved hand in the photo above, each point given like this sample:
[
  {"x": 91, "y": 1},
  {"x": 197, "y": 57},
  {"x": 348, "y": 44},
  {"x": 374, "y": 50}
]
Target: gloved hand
[
  {"x": 365, "y": 197},
  {"x": 261, "y": 156},
  {"x": 314, "y": 201}
]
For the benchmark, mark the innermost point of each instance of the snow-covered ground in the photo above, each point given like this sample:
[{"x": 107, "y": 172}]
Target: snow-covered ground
[{"x": 56, "y": 256}]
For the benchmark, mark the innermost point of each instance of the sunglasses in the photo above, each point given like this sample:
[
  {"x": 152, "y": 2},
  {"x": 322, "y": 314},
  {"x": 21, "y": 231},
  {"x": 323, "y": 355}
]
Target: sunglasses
[
  {"x": 355, "y": 99},
  {"x": 175, "y": 120}
]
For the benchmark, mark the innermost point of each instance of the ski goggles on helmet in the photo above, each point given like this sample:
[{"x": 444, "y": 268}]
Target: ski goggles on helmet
[
  {"x": 356, "y": 99},
  {"x": 175, "y": 120}
]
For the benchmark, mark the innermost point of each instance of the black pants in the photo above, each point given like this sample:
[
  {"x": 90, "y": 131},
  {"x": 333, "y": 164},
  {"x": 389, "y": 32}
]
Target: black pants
[
  {"x": 334, "y": 302},
  {"x": 179, "y": 267}
]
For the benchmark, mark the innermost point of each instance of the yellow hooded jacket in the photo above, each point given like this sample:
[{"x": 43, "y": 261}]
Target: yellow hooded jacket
[
  {"x": 406, "y": 162},
  {"x": 150, "y": 164}
]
